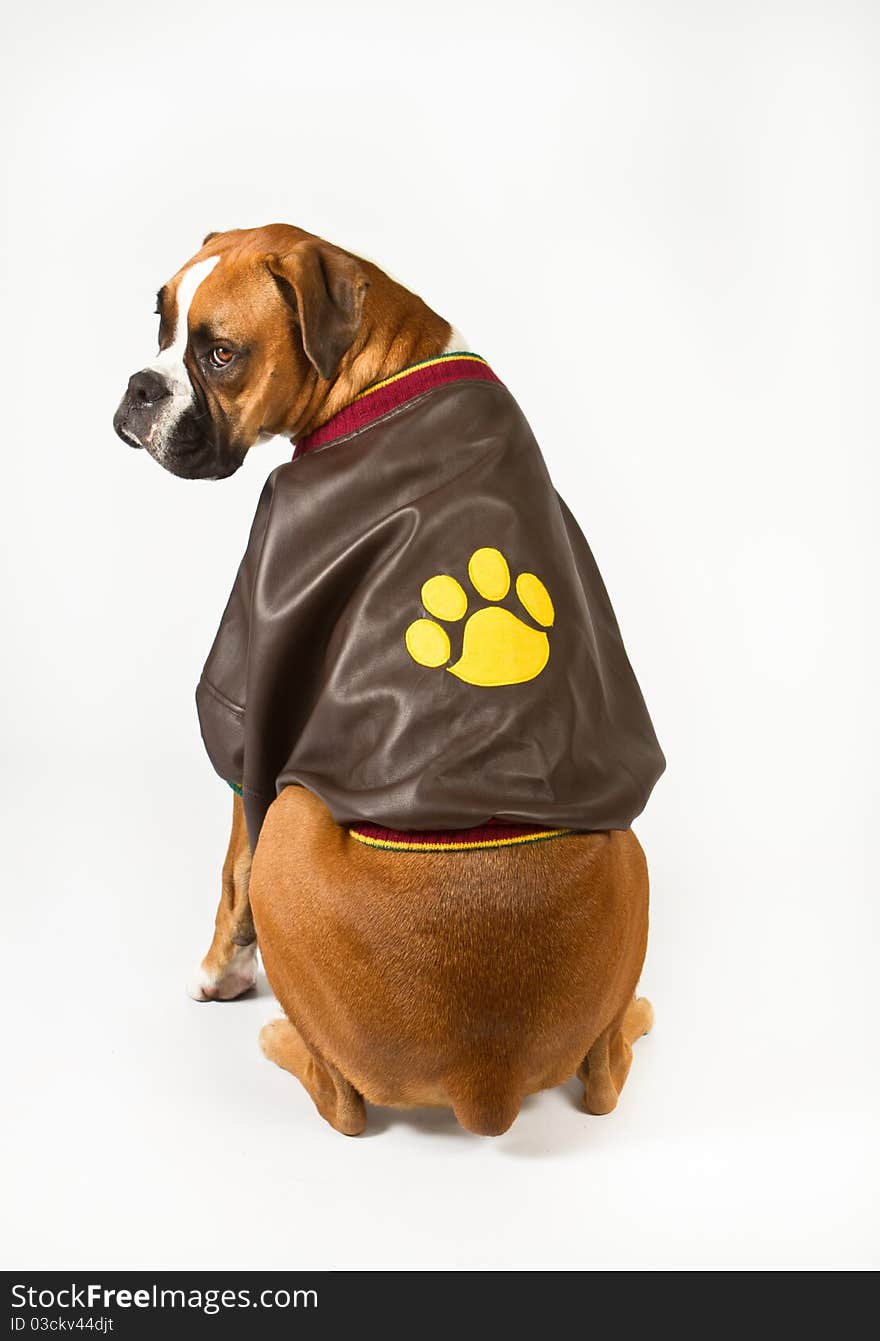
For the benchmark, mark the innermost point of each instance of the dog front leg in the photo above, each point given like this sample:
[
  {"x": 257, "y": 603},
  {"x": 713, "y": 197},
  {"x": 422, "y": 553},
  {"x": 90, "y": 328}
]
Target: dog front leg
[{"x": 229, "y": 968}]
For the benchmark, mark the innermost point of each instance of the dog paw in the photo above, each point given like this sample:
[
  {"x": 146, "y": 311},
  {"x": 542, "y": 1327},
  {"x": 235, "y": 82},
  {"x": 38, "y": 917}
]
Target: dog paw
[
  {"x": 498, "y": 647},
  {"x": 239, "y": 976},
  {"x": 273, "y": 1037}
]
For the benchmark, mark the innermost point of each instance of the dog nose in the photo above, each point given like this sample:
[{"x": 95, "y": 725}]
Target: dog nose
[{"x": 146, "y": 387}]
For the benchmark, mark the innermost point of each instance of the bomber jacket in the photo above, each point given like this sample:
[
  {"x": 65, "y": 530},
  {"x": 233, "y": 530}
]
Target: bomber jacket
[{"x": 418, "y": 631}]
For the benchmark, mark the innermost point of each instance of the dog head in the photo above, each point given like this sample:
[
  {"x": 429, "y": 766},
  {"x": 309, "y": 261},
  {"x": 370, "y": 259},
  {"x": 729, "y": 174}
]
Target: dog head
[{"x": 252, "y": 332}]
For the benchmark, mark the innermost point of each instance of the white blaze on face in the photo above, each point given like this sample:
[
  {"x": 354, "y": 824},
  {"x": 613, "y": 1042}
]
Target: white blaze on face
[{"x": 170, "y": 365}]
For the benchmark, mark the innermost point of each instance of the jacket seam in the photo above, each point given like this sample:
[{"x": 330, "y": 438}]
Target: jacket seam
[{"x": 221, "y": 698}]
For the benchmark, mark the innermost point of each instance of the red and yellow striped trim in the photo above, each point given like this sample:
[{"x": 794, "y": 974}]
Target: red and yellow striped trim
[
  {"x": 451, "y": 842},
  {"x": 394, "y": 391},
  {"x": 442, "y": 360}
]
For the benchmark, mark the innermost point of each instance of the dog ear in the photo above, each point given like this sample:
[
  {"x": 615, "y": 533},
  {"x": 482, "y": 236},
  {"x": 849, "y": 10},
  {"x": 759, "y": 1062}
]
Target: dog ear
[
  {"x": 207, "y": 238},
  {"x": 326, "y": 289}
]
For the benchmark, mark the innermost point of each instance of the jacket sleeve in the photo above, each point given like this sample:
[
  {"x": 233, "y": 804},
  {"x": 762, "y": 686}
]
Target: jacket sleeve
[{"x": 221, "y": 692}]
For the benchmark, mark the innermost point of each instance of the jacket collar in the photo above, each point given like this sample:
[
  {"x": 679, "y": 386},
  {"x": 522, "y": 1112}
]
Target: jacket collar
[{"x": 387, "y": 395}]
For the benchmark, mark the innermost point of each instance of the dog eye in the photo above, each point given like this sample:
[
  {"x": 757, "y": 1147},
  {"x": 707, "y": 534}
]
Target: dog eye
[{"x": 220, "y": 356}]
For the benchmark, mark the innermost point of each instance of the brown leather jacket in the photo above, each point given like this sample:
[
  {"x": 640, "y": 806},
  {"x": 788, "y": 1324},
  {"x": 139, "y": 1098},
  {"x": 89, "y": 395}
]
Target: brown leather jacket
[{"x": 418, "y": 632}]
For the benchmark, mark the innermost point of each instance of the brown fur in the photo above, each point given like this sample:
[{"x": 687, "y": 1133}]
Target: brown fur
[
  {"x": 234, "y": 923},
  {"x": 279, "y": 388},
  {"x": 466, "y": 979}
]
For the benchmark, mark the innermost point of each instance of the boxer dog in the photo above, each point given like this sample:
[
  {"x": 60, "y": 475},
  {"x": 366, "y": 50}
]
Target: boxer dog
[{"x": 408, "y": 978}]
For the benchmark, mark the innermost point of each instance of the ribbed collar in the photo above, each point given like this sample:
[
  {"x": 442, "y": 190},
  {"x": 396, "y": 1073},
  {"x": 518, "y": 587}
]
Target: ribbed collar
[{"x": 394, "y": 391}]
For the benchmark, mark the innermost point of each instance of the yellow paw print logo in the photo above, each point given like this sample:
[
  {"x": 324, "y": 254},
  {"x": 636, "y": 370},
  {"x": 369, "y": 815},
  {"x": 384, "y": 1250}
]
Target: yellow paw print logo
[{"x": 497, "y": 646}]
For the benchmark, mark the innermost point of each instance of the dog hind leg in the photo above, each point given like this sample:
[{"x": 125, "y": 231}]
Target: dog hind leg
[
  {"x": 335, "y": 1098},
  {"x": 229, "y": 968},
  {"x": 606, "y": 1066}
]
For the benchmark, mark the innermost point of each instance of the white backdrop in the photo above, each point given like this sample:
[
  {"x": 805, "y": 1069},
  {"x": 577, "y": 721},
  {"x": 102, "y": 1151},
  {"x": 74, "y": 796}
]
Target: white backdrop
[{"x": 658, "y": 222}]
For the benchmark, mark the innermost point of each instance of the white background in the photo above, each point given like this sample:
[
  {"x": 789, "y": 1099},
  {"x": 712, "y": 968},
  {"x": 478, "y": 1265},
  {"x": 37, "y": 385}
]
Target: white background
[{"x": 658, "y": 222}]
